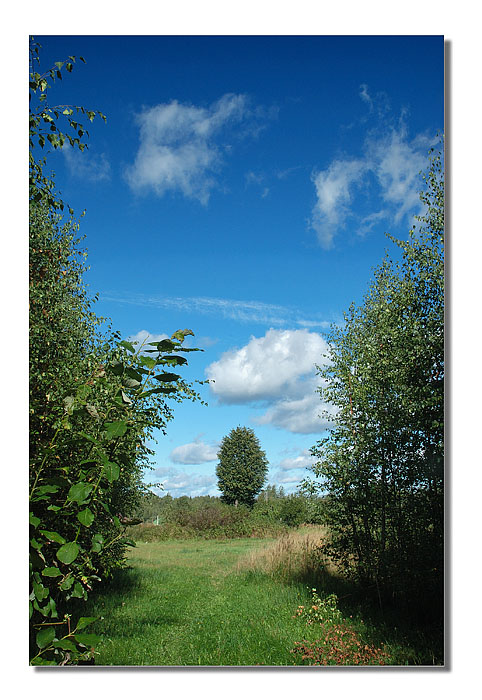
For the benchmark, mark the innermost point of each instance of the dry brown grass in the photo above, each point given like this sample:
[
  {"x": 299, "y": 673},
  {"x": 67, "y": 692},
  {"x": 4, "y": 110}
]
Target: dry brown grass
[{"x": 292, "y": 556}]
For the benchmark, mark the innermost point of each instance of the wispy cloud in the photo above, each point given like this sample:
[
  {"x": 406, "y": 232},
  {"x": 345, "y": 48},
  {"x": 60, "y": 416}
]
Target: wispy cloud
[
  {"x": 87, "y": 165},
  {"x": 334, "y": 187},
  {"x": 257, "y": 179},
  {"x": 386, "y": 178},
  {"x": 233, "y": 309},
  {"x": 181, "y": 147}
]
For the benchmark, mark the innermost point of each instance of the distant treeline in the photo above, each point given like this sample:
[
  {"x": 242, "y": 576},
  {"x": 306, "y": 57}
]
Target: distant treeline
[{"x": 207, "y": 516}]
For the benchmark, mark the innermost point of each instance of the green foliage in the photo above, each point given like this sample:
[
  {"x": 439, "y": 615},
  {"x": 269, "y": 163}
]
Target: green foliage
[
  {"x": 94, "y": 404},
  {"x": 340, "y": 643},
  {"x": 382, "y": 463},
  {"x": 322, "y": 610},
  {"x": 242, "y": 467},
  {"x": 202, "y": 517},
  {"x": 293, "y": 511}
]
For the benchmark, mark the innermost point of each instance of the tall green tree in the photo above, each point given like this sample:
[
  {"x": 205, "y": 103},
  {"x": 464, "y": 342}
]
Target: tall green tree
[
  {"x": 95, "y": 403},
  {"x": 242, "y": 467},
  {"x": 382, "y": 461}
]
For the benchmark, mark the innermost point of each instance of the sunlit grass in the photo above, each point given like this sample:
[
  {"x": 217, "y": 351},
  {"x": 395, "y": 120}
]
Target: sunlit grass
[
  {"x": 184, "y": 604},
  {"x": 220, "y": 603}
]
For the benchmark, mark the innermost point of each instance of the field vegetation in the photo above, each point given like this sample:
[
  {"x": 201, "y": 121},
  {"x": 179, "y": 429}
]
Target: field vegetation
[
  {"x": 247, "y": 602},
  {"x": 347, "y": 571}
]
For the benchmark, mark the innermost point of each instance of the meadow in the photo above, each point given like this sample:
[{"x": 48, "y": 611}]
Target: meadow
[{"x": 243, "y": 602}]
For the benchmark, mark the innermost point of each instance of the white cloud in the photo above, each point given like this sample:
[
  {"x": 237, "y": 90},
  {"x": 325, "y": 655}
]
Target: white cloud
[
  {"x": 388, "y": 173},
  {"x": 334, "y": 188},
  {"x": 277, "y": 370},
  {"x": 303, "y": 415},
  {"x": 236, "y": 310},
  {"x": 196, "y": 452},
  {"x": 178, "y": 149},
  {"x": 302, "y": 461},
  {"x": 179, "y": 483},
  {"x": 86, "y": 165},
  {"x": 365, "y": 96},
  {"x": 397, "y": 163},
  {"x": 142, "y": 338},
  {"x": 266, "y": 368}
]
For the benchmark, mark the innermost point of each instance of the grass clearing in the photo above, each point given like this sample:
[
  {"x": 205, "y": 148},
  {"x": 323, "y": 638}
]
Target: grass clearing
[{"x": 213, "y": 603}]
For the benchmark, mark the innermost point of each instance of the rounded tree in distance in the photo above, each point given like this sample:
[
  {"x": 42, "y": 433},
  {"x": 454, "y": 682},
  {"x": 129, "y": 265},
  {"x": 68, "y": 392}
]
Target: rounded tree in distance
[{"x": 242, "y": 467}]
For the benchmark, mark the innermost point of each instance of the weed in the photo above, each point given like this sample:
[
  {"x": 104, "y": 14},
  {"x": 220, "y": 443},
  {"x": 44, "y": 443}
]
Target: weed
[{"x": 339, "y": 644}]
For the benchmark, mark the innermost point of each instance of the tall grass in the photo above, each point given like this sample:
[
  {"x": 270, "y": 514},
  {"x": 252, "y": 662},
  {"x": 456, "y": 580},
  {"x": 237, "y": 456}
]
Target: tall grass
[
  {"x": 294, "y": 556},
  {"x": 298, "y": 557}
]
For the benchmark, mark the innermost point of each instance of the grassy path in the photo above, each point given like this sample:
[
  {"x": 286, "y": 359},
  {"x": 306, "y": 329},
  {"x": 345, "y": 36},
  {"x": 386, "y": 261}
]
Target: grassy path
[{"x": 184, "y": 603}]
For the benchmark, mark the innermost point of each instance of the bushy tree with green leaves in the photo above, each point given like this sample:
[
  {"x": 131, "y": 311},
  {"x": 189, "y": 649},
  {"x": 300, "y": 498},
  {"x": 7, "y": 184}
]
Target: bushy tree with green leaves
[
  {"x": 382, "y": 462},
  {"x": 242, "y": 467},
  {"x": 94, "y": 405}
]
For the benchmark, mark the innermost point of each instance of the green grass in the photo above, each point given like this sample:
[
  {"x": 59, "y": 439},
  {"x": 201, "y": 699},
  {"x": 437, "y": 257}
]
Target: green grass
[{"x": 188, "y": 603}]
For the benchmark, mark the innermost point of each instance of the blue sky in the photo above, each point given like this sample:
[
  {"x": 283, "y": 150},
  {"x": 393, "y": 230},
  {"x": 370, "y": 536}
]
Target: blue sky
[{"x": 241, "y": 187}]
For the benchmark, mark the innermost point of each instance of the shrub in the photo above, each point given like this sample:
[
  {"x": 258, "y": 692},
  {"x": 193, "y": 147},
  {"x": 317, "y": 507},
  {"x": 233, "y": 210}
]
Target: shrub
[
  {"x": 339, "y": 644},
  {"x": 293, "y": 510}
]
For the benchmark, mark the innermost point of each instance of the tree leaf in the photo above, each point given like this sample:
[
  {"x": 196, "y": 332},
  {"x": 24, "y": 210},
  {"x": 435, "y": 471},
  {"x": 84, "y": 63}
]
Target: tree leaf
[
  {"x": 79, "y": 492},
  {"x": 167, "y": 377},
  {"x": 111, "y": 471},
  {"x": 115, "y": 429},
  {"x": 85, "y": 621},
  {"x": 133, "y": 374},
  {"x": 86, "y": 517},
  {"x": 148, "y": 362},
  {"x": 53, "y": 536},
  {"x": 87, "y": 640},
  {"x": 97, "y": 543},
  {"x": 128, "y": 346},
  {"x": 92, "y": 411},
  {"x": 65, "y": 644},
  {"x": 51, "y": 571},
  {"x": 165, "y": 345},
  {"x": 125, "y": 398},
  {"x": 173, "y": 360},
  {"x": 116, "y": 368},
  {"x": 45, "y": 637},
  {"x": 131, "y": 383},
  {"x": 68, "y": 552},
  {"x": 180, "y": 335},
  {"x": 90, "y": 438},
  {"x": 34, "y": 520}
]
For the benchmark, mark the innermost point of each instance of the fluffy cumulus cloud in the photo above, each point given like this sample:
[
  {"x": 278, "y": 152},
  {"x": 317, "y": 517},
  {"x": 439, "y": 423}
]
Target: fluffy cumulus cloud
[
  {"x": 268, "y": 367},
  {"x": 302, "y": 461},
  {"x": 303, "y": 415},
  {"x": 196, "y": 452},
  {"x": 178, "y": 483},
  {"x": 276, "y": 371},
  {"x": 388, "y": 174},
  {"x": 179, "y": 146},
  {"x": 142, "y": 338}
]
